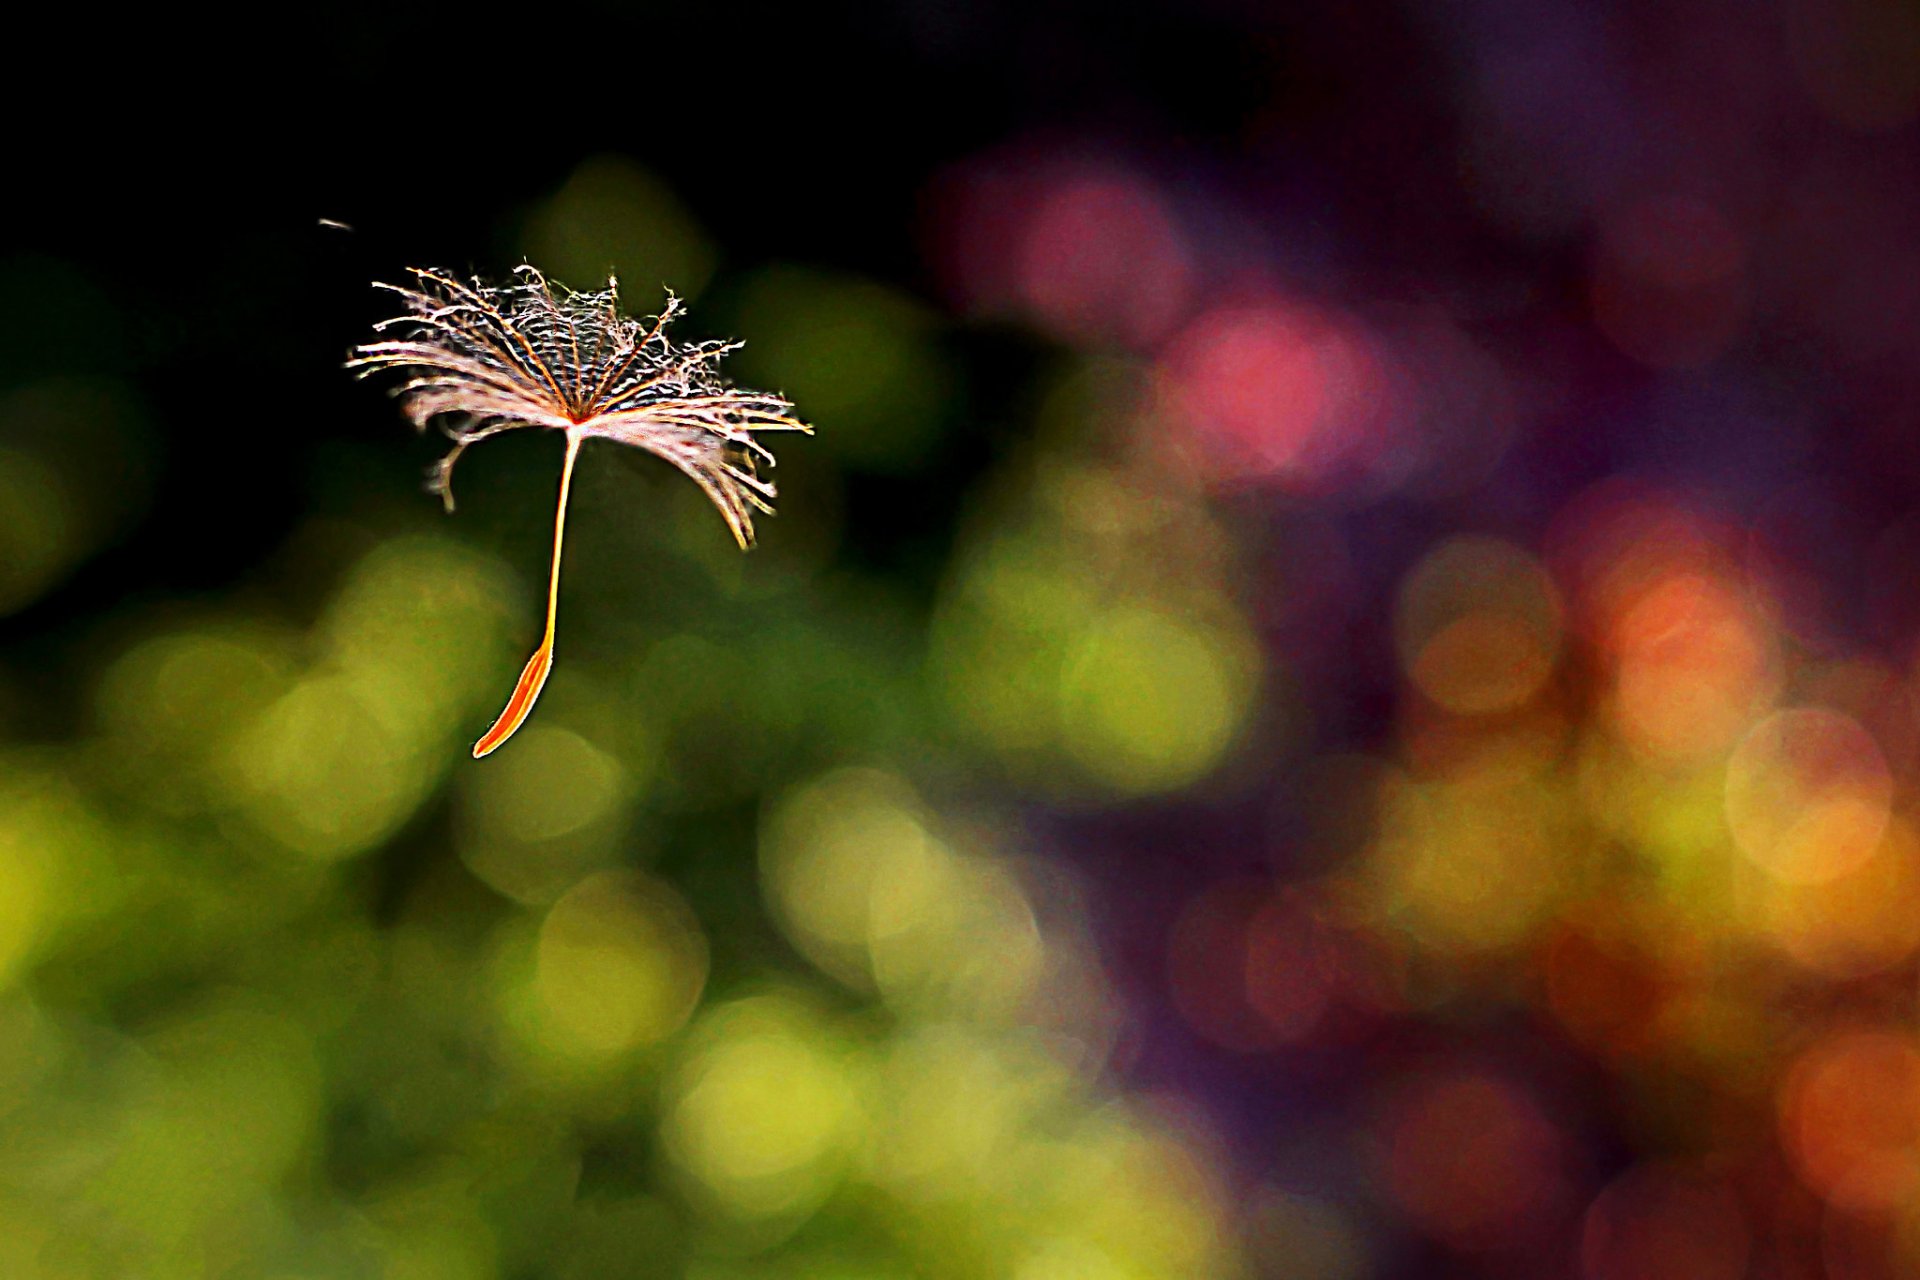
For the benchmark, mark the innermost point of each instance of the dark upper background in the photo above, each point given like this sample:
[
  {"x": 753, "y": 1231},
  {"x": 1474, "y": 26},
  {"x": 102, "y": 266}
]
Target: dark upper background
[{"x": 184, "y": 166}]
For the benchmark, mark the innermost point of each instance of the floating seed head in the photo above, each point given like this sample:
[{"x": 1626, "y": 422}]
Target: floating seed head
[{"x": 482, "y": 359}]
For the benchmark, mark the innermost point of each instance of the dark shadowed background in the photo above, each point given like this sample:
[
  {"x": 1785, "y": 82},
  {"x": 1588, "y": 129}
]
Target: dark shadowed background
[{"x": 1334, "y": 697}]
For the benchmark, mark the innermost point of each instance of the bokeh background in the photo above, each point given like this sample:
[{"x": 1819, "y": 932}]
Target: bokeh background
[{"x": 1335, "y": 697}]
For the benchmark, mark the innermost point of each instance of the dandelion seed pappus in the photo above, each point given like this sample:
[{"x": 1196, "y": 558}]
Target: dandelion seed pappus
[{"x": 482, "y": 359}]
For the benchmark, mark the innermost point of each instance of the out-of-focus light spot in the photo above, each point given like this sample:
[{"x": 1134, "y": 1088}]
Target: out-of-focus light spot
[
  {"x": 950, "y": 1111},
  {"x": 170, "y": 704},
  {"x": 872, "y": 895},
  {"x": 1730, "y": 1037},
  {"x": 1102, "y": 260},
  {"x": 1808, "y": 795},
  {"x": 47, "y": 836},
  {"x": 959, "y": 937},
  {"x": 1249, "y": 968},
  {"x": 1001, "y": 642},
  {"x": 1523, "y": 746},
  {"x": 36, "y": 528},
  {"x": 1850, "y": 1118},
  {"x": 1623, "y": 537},
  {"x": 544, "y": 814},
  {"x": 844, "y": 856},
  {"x": 1864, "y": 920},
  {"x": 1062, "y": 1258},
  {"x": 1280, "y": 392},
  {"x": 1660, "y": 1223},
  {"x": 1478, "y": 626},
  {"x": 339, "y": 761},
  {"x": 1092, "y": 641},
  {"x": 1876, "y": 695},
  {"x": 1471, "y": 1158},
  {"x": 228, "y": 1106},
  {"x": 1293, "y": 967},
  {"x": 852, "y": 353},
  {"x": 1669, "y": 282},
  {"x": 1677, "y": 820},
  {"x": 614, "y": 215},
  {"x": 1606, "y": 988},
  {"x": 1480, "y": 663},
  {"x": 1858, "y": 59},
  {"x": 428, "y": 1233},
  {"x": 621, "y": 963},
  {"x": 1692, "y": 660},
  {"x": 256, "y": 1066},
  {"x": 320, "y": 773},
  {"x": 1150, "y": 701},
  {"x": 762, "y": 1116},
  {"x": 1466, "y": 873},
  {"x": 1149, "y": 1198},
  {"x": 420, "y": 627},
  {"x": 1865, "y": 1246},
  {"x": 1091, "y": 253},
  {"x": 561, "y": 785},
  {"x": 74, "y": 474},
  {"x": 1675, "y": 243}
]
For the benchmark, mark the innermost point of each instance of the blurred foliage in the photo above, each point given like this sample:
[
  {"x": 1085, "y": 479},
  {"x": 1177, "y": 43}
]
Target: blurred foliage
[{"x": 612, "y": 218}]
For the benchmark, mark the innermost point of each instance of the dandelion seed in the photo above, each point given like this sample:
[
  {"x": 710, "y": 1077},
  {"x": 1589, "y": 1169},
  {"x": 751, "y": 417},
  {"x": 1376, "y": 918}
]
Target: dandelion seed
[{"x": 485, "y": 359}]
